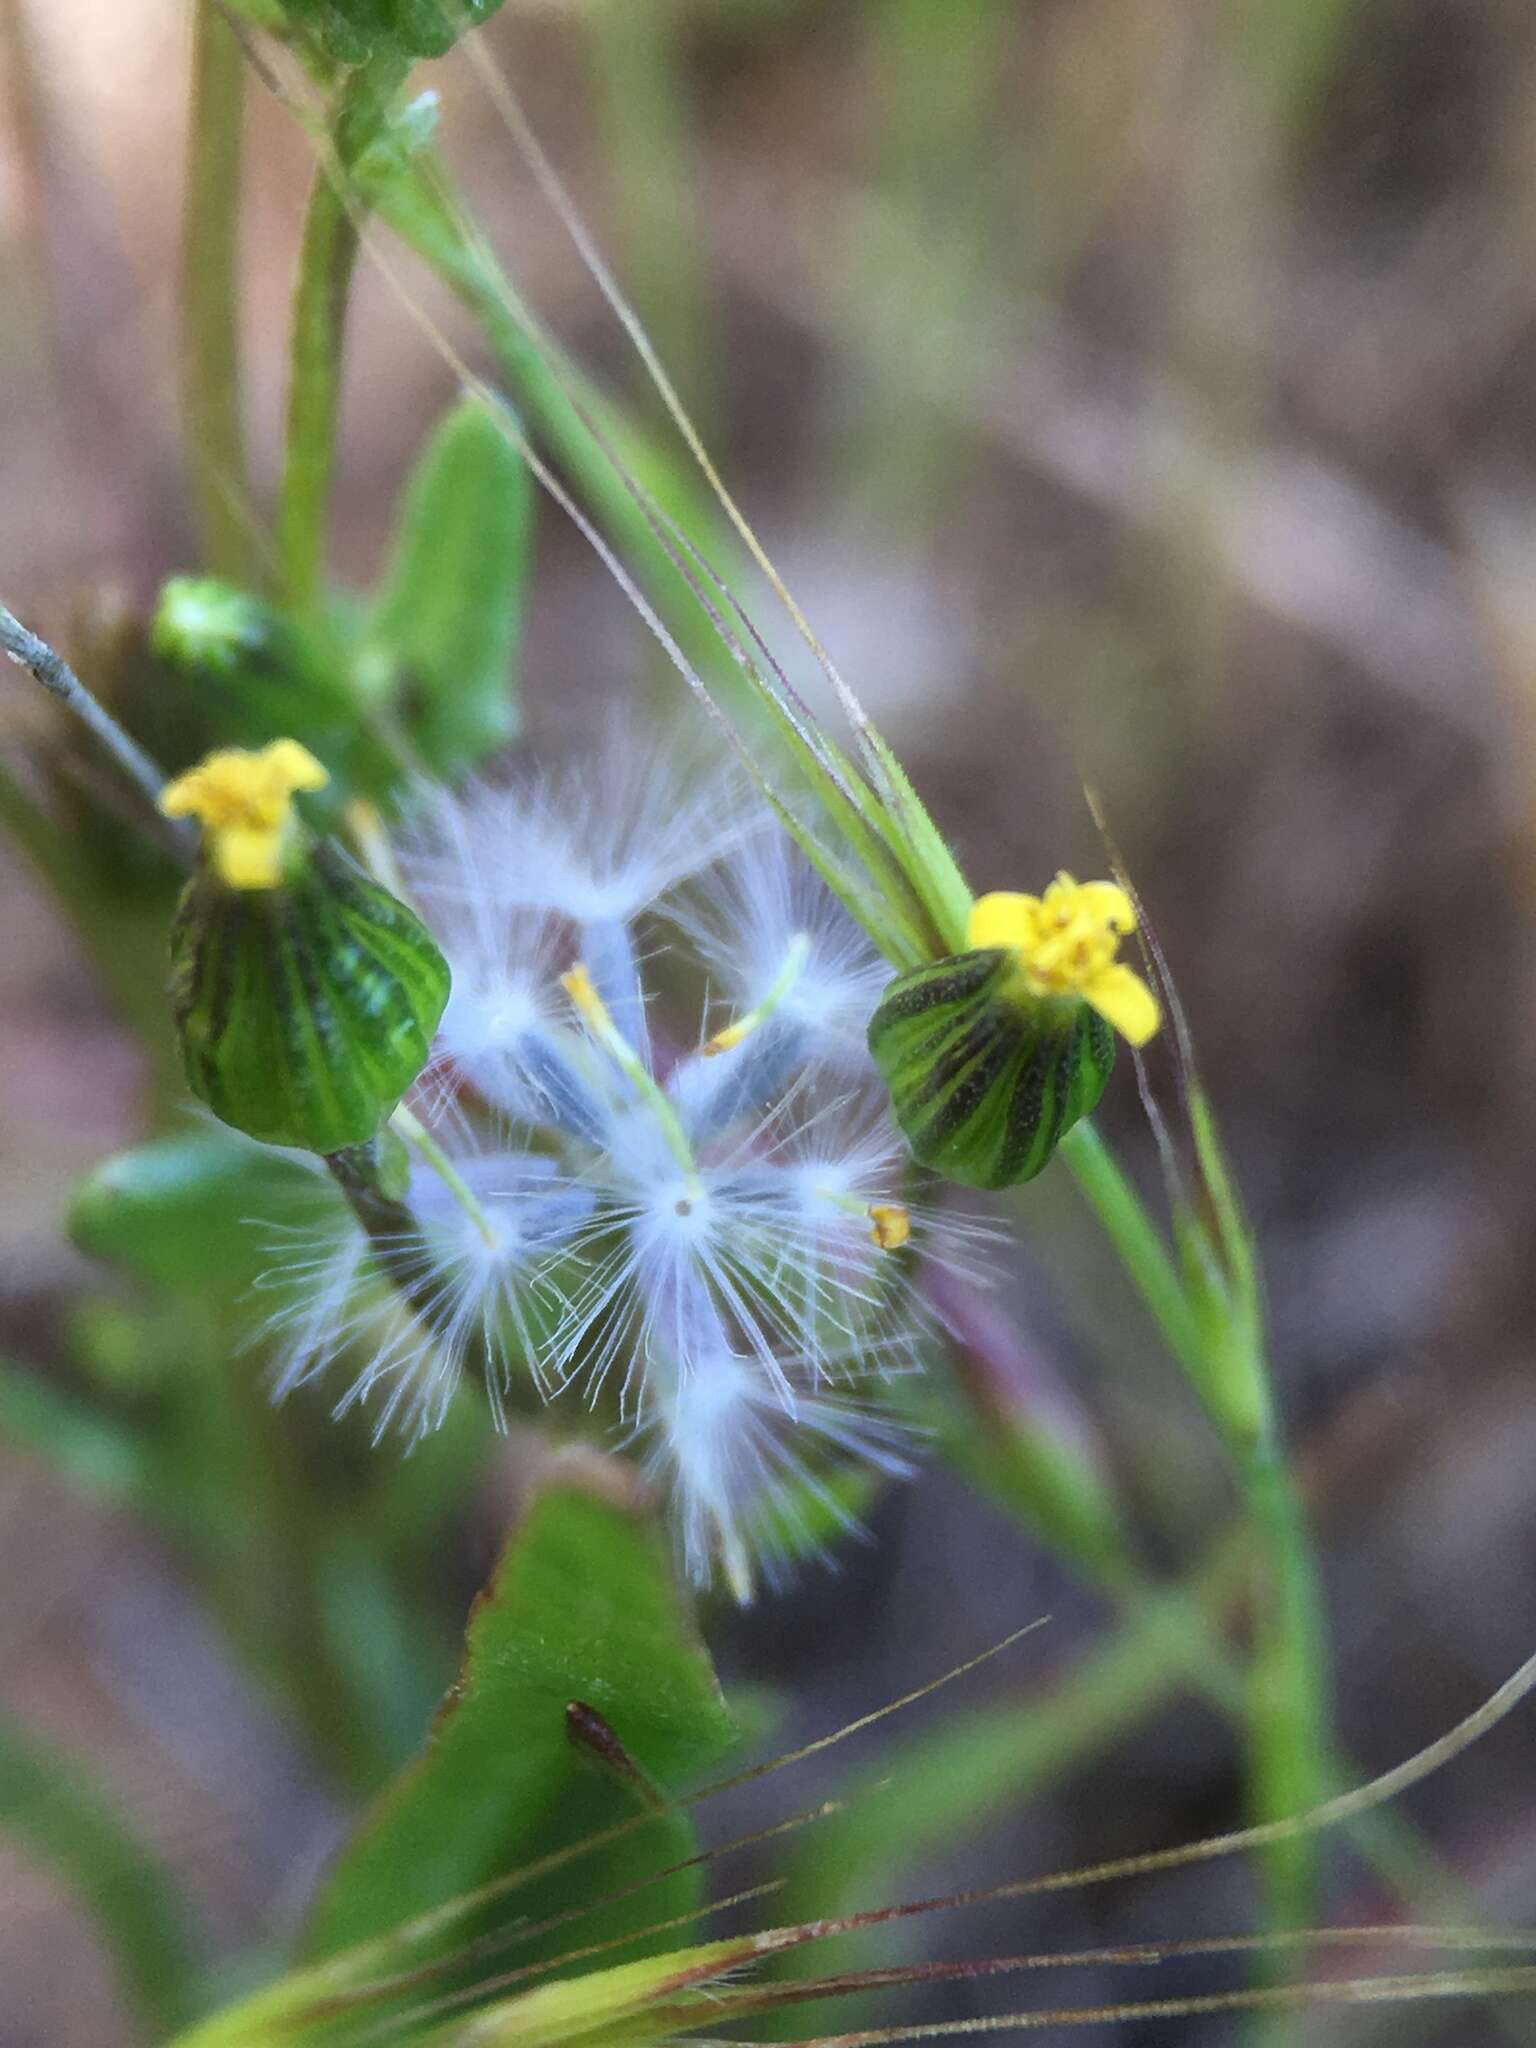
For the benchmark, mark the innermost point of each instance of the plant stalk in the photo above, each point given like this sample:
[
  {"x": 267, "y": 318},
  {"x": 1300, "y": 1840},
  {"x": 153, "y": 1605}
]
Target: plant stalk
[
  {"x": 54, "y": 673},
  {"x": 214, "y": 429},
  {"x": 1223, "y": 1355},
  {"x": 327, "y": 261}
]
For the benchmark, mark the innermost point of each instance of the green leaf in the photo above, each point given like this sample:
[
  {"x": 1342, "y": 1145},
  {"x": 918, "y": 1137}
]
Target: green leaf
[
  {"x": 355, "y": 30},
  {"x": 449, "y": 619},
  {"x": 582, "y": 1608},
  {"x": 93, "y": 1452},
  {"x": 46, "y": 1805},
  {"x": 180, "y": 1208},
  {"x": 930, "y": 866},
  {"x": 626, "y": 2005}
]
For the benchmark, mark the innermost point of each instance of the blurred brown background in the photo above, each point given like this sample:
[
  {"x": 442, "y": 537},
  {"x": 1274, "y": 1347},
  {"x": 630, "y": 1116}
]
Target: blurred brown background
[{"x": 1131, "y": 390}]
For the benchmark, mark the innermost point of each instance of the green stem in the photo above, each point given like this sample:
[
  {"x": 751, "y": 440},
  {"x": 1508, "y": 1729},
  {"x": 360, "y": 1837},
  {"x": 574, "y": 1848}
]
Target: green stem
[
  {"x": 327, "y": 260},
  {"x": 1287, "y": 1714},
  {"x": 416, "y": 1133},
  {"x": 210, "y": 330},
  {"x": 1221, "y": 1347},
  {"x": 1125, "y": 1221},
  {"x": 282, "y": 1587},
  {"x": 326, "y": 263},
  {"x": 423, "y": 210}
]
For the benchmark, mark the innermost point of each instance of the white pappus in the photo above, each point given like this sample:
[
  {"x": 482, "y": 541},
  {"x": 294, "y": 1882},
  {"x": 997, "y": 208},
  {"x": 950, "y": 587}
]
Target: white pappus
[{"x": 710, "y": 1239}]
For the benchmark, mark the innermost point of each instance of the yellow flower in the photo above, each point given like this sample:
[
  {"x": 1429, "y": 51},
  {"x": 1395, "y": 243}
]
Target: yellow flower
[
  {"x": 244, "y": 802},
  {"x": 1064, "y": 944}
]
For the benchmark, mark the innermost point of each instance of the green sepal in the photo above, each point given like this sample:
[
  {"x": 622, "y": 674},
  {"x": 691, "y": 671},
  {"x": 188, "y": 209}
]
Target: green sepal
[
  {"x": 305, "y": 1011},
  {"x": 985, "y": 1078}
]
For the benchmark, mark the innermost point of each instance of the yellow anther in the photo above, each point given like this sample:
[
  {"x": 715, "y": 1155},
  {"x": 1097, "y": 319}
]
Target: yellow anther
[
  {"x": 890, "y": 1225},
  {"x": 1065, "y": 943},
  {"x": 723, "y": 1041},
  {"x": 795, "y": 956},
  {"x": 588, "y": 1004},
  {"x": 593, "y": 1012},
  {"x": 244, "y": 802}
]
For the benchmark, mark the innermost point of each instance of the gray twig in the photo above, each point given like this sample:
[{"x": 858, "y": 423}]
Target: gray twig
[{"x": 60, "y": 681}]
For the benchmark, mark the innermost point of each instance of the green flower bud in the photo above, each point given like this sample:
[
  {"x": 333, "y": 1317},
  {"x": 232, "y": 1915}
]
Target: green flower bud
[
  {"x": 305, "y": 996},
  {"x": 255, "y": 672},
  {"x": 201, "y": 623},
  {"x": 985, "y": 1076}
]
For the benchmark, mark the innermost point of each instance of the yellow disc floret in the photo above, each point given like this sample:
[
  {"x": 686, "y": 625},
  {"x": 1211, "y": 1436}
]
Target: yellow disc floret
[
  {"x": 244, "y": 803},
  {"x": 1065, "y": 942}
]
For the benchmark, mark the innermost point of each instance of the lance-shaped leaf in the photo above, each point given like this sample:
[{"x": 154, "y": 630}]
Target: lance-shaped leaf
[
  {"x": 446, "y": 629},
  {"x": 582, "y": 1610},
  {"x": 46, "y": 1805}
]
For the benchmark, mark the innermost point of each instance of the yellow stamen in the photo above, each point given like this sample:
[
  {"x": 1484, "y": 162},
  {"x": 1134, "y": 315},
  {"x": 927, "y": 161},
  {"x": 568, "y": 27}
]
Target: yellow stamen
[
  {"x": 589, "y": 1005},
  {"x": 795, "y": 957},
  {"x": 244, "y": 802},
  {"x": 1065, "y": 942},
  {"x": 890, "y": 1225},
  {"x": 729, "y": 1038}
]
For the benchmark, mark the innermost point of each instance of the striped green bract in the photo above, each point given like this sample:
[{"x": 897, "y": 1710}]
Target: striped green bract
[
  {"x": 306, "y": 1011},
  {"x": 986, "y": 1078}
]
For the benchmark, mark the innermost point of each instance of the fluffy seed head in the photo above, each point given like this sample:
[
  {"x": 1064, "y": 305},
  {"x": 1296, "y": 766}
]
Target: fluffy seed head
[{"x": 711, "y": 1247}]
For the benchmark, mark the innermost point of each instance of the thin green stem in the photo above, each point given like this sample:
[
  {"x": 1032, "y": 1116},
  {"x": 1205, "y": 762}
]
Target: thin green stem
[
  {"x": 423, "y": 210},
  {"x": 327, "y": 260},
  {"x": 326, "y": 263},
  {"x": 210, "y": 330},
  {"x": 1213, "y": 1323},
  {"x": 285, "y": 1590},
  {"x": 1143, "y": 1252},
  {"x": 795, "y": 956},
  {"x": 53, "y": 1809},
  {"x": 415, "y": 1133}
]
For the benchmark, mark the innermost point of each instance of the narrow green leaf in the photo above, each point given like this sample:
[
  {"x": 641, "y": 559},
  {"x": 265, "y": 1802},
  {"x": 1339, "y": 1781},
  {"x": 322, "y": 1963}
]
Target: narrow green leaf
[
  {"x": 449, "y": 619},
  {"x": 46, "y": 1804},
  {"x": 931, "y": 867},
  {"x": 582, "y": 1608},
  {"x": 94, "y": 1453}
]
